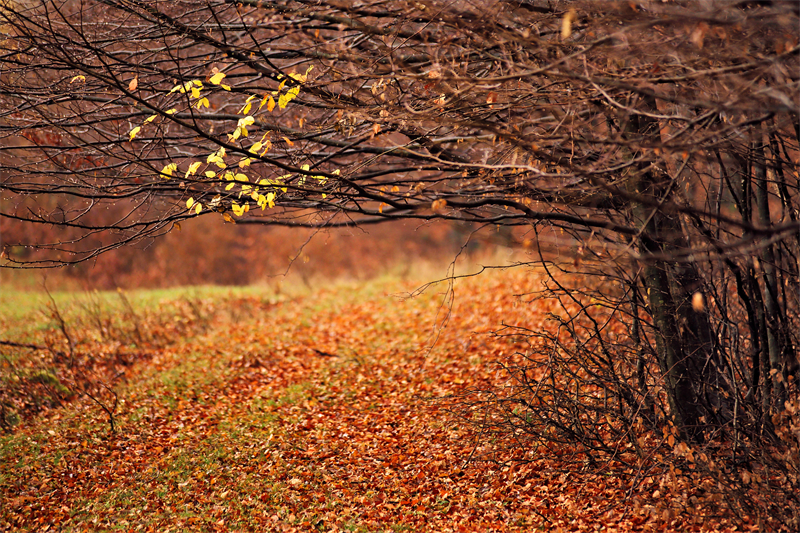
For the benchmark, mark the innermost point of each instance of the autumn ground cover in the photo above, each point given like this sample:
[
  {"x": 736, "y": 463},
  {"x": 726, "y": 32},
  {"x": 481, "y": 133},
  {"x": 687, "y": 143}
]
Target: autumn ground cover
[{"x": 307, "y": 410}]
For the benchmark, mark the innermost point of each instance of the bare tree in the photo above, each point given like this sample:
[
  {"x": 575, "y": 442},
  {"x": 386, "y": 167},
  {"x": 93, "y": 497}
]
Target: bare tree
[{"x": 658, "y": 141}]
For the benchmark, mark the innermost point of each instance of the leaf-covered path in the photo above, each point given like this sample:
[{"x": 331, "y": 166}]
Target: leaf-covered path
[{"x": 318, "y": 413}]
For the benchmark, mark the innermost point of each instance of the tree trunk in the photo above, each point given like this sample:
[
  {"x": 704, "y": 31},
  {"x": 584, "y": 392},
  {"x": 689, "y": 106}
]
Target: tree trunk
[
  {"x": 671, "y": 355},
  {"x": 684, "y": 340},
  {"x": 773, "y": 311}
]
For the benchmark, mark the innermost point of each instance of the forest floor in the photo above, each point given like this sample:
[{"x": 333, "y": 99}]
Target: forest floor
[{"x": 251, "y": 410}]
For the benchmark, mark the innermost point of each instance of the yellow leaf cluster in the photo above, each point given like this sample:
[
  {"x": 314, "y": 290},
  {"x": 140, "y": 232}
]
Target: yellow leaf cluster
[
  {"x": 288, "y": 96},
  {"x": 218, "y": 158},
  {"x": 192, "y": 169},
  {"x": 191, "y": 205},
  {"x": 167, "y": 171},
  {"x": 240, "y": 210},
  {"x": 241, "y": 128}
]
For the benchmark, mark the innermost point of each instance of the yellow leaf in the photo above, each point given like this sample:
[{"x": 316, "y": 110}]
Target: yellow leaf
[
  {"x": 189, "y": 203},
  {"x": 169, "y": 169},
  {"x": 134, "y": 131},
  {"x": 270, "y": 104},
  {"x": 227, "y": 218},
  {"x": 263, "y": 101},
  {"x": 195, "y": 92},
  {"x": 151, "y": 118},
  {"x": 288, "y": 96},
  {"x": 229, "y": 186},
  {"x": 566, "y": 23},
  {"x": 133, "y": 84},
  {"x": 256, "y": 147},
  {"x": 241, "y": 177},
  {"x": 198, "y": 83},
  {"x": 193, "y": 168},
  {"x": 197, "y": 208},
  {"x": 217, "y": 160},
  {"x": 217, "y": 78},
  {"x": 79, "y": 77},
  {"x": 246, "y": 109},
  {"x": 226, "y": 87},
  {"x": 182, "y": 87},
  {"x": 301, "y": 77},
  {"x": 171, "y": 111},
  {"x": 280, "y": 87},
  {"x": 203, "y": 102},
  {"x": 210, "y": 174},
  {"x": 245, "y": 162}
]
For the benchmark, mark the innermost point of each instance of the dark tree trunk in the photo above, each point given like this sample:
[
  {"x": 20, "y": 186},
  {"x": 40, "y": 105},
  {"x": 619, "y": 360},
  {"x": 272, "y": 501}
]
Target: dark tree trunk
[{"x": 771, "y": 304}]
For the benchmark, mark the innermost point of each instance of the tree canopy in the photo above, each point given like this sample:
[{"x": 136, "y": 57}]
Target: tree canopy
[{"x": 117, "y": 115}]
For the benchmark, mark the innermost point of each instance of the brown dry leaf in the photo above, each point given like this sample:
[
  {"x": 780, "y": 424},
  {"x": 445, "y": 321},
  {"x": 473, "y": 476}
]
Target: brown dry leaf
[{"x": 699, "y": 35}]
